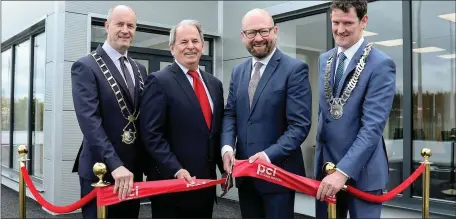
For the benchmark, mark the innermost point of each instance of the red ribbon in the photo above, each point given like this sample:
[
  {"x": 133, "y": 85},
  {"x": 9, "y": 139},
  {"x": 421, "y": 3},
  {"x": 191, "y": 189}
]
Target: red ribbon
[
  {"x": 145, "y": 189},
  {"x": 269, "y": 172}
]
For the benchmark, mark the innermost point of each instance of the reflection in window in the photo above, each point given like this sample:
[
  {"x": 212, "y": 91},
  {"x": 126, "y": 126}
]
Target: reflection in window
[
  {"x": 305, "y": 39},
  {"x": 38, "y": 104},
  {"x": 142, "y": 39},
  {"x": 21, "y": 92},
  {"x": 6, "y": 108},
  {"x": 388, "y": 39},
  {"x": 434, "y": 84}
]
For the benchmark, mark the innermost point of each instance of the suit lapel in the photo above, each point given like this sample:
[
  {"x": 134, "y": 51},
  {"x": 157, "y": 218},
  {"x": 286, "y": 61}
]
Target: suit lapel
[
  {"x": 136, "y": 73},
  {"x": 245, "y": 84},
  {"x": 351, "y": 66},
  {"x": 116, "y": 74},
  {"x": 270, "y": 69},
  {"x": 182, "y": 80},
  {"x": 333, "y": 68}
]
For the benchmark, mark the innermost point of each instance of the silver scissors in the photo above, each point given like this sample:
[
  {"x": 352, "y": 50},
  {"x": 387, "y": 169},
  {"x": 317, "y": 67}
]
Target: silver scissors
[{"x": 229, "y": 177}]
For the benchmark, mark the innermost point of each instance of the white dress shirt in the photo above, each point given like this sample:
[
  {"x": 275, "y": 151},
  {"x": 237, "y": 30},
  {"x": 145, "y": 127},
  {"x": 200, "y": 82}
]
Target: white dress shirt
[
  {"x": 115, "y": 57},
  {"x": 265, "y": 62},
  {"x": 349, "y": 53},
  {"x": 190, "y": 79}
]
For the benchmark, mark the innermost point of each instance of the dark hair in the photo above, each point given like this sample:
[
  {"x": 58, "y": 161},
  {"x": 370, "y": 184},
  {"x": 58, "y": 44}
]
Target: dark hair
[{"x": 345, "y": 5}]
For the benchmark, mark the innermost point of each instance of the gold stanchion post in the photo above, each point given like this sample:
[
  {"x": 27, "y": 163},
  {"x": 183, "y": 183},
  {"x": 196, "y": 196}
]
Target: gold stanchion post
[
  {"x": 99, "y": 169},
  {"x": 426, "y": 153},
  {"x": 330, "y": 168},
  {"x": 22, "y": 150}
]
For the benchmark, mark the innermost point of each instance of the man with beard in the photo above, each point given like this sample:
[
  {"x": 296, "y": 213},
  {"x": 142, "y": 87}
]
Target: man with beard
[
  {"x": 357, "y": 86},
  {"x": 268, "y": 112},
  {"x": 106, "y": 86}
]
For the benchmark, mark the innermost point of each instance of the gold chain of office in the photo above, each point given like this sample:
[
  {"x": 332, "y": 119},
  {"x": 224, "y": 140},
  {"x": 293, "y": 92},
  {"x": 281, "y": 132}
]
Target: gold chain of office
[
  {"x": 336, "y": 105},
  {"x": 128, "y": 136}
]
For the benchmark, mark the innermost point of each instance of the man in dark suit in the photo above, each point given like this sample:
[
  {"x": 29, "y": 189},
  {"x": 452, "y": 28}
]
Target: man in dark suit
[
  {"x": 106, "y": 85},
  {"x": 267, "y": 116},
  {"x": 181, "y": 113},
  {"x": 356, "y": 88}
]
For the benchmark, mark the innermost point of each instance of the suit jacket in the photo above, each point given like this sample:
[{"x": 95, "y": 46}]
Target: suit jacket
[
  {"x": 173, "y": 127},
  {"x": 354, "y": 142},
  {"x": 100, "y": 117},
  {"x": 278, "y": 121}
]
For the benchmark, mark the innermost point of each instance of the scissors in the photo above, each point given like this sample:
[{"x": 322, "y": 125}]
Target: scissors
[{"x": 229, "y": 177}]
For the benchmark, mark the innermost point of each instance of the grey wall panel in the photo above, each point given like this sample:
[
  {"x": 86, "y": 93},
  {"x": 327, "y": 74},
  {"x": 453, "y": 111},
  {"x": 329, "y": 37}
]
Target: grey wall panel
[
  {"x": 71, "y": 135},
  {"x": 233, "y": 11},
  {"x": 159, "y": 12},
  {"x": 70, "y": 192},
  {"x": 75, "y": 42},
  {"x": 50, "y": 37},
  {"x": 67, "y": 95},
  {"x": 47, "y": 126},
  {"x": 48, "y": 88},
  {"x": 22, "y": 15}
]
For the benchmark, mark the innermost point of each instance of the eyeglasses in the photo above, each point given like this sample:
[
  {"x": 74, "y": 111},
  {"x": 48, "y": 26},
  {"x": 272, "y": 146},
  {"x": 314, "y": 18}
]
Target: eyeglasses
[{"x": 252, "y": 33}]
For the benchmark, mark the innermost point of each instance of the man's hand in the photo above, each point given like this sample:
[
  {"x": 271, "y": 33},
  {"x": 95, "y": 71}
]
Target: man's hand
[
  {"x": 259, "y": 155},
  {"x": 228, "y": 159},
  {"x": 123, "y": 181},
  {"x": 184, "y": 174},
  {"x": 331, "y": 185}
]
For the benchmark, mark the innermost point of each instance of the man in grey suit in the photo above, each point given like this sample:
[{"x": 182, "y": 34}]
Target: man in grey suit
[{"x": 357, "y": 84}]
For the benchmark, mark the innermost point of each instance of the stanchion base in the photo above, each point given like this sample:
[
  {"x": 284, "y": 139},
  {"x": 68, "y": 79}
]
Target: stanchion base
[
  {"x": 100, "y": 184},
  {"x": 450, "y": 192}
]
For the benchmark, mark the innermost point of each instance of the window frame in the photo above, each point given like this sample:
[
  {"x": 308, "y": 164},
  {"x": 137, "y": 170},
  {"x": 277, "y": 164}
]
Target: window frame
[
  {"x": 406, "y": 200},
  {"x": 11, "y": 43}
]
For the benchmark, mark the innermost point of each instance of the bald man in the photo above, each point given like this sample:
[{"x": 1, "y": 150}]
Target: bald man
[
  {"x": 267, "y": 116},
  {"x": 106, "y": 85}
]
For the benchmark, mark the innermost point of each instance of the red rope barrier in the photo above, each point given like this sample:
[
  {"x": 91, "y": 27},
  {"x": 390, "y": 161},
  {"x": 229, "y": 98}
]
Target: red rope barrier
[
  {"x": 389, "y": 195},
  {"x": 150, "y": 188},
  {"x": 51, "y": 207},
  {"x": 271, "y": 173}
]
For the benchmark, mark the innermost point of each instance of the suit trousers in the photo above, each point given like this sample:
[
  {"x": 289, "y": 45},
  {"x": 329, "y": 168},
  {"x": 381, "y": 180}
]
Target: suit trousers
[
  {"x": 191, "y": 204},
  {"x": 126, "y": 209},
  {"x": 255, "y": 204}
]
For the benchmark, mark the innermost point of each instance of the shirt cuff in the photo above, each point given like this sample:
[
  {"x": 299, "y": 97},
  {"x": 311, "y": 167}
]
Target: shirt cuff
[
  {"x": 342, "y": 172},
  {"x": 175, "y": 175},
  {"x": 266, "y": 156},
  {"x": 226, "y": 148}
]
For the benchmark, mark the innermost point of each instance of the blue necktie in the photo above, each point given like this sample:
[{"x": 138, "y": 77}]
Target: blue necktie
[{"x": 339, "y": 72}]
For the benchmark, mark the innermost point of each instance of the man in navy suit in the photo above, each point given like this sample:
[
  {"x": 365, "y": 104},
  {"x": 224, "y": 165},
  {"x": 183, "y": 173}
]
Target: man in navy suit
[
  {"x": 357, "y": 85},
  {"x": 106, "y": 85},
  {"x": 181, "y": 113},
  {"x": 267, "y": 116}
]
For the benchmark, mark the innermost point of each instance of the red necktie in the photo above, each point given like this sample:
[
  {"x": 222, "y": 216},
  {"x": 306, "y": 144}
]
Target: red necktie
[{"x": 202, "y": 97}]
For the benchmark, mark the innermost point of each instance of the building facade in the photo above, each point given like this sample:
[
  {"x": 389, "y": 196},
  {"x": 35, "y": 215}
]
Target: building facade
[{"x": 41, "y": 40}]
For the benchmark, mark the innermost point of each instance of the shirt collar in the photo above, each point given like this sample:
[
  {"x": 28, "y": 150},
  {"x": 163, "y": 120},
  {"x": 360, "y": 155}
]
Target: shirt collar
[
  {"x": 265, "y": 60},
  {"x": 185, "y": 70},
  {"x": 350, "y": 52},
  {"x": 112, "y": 53}
]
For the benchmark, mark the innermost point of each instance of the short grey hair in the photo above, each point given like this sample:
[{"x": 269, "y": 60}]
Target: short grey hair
[{"x": 195, "y": 23}]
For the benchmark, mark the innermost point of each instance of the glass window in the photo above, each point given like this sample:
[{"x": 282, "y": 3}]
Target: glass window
[
  {"x": 388, "y": 39},
  {"x": 21, "y": 94},
  {"x": 142, "y": 39},
  {"x": 38, "y": 103},
  {"x": 6, "y": 108},
  {"x": 434, "y": 80},
  {"x": 305, "y": 39}
]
